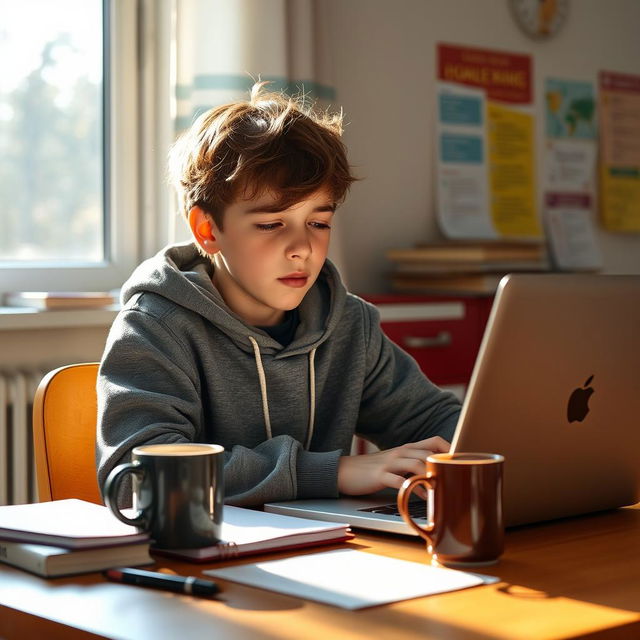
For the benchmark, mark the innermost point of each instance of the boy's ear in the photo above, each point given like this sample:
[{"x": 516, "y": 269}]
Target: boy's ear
[{"x": 202, "y": 231}]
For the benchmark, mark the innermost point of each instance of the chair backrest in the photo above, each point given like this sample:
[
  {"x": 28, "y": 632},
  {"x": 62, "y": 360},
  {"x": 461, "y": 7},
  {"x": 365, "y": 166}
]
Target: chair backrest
[{"x": 64, "y": 433}]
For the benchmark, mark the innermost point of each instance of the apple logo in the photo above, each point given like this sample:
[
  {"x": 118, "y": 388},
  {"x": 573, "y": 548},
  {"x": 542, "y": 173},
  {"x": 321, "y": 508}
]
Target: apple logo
[{"x": 578, "y": 406}]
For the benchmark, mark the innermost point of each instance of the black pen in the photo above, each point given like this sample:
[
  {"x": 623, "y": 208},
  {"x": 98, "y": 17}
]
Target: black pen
[{"x": 179, "y": 584}]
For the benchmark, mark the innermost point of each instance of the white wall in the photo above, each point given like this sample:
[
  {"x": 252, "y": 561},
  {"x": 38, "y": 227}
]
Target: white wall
[{"x": 381, "y": 56}]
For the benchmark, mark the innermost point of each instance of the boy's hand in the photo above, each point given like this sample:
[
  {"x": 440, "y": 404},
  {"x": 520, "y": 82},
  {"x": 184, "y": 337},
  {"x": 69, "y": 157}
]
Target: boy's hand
[{"x": 358, "y": 475}]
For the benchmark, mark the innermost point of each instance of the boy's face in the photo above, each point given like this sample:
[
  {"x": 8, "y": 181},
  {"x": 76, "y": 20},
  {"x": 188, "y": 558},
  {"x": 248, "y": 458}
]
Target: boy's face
[{"x": 267, "y": 259}]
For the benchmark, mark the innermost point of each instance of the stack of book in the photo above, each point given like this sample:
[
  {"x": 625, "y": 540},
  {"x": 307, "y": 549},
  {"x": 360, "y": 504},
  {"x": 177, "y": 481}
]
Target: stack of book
[
  {"x": 67, "y": 537},
  {"x": 458, "y": 267},
  {"x": 53, "y": 300}
]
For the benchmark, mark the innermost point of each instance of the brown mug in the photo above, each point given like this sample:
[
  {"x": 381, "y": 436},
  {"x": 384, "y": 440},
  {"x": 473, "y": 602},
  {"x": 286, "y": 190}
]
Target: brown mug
[{"x": 466, "y": 526}]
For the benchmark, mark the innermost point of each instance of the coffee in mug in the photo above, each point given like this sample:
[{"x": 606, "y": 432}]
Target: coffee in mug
[
  {"x": 466, "y": 525},
  {"x": 178, "y": 493}
]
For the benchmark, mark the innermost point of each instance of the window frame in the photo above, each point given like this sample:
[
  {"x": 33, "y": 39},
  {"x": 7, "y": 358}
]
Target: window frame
[{"x": 122, "y": 192}]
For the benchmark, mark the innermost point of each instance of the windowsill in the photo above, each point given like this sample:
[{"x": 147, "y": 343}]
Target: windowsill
[{"x": 12, "y": 318}]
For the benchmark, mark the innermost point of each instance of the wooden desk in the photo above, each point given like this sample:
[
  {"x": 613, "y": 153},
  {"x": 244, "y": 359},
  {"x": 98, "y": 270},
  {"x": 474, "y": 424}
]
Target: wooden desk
[{"x": 573, "y": 578}]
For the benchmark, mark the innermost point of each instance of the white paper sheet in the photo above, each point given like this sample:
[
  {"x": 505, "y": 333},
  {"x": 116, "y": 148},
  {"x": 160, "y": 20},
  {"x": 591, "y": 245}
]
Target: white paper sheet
[
  {"x": 574, "y": 244},
  {"x": 350, "y": 579}
]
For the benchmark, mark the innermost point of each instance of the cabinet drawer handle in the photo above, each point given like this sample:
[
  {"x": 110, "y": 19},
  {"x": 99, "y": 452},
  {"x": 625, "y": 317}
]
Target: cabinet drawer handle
[{"x": 443, "y": 339}]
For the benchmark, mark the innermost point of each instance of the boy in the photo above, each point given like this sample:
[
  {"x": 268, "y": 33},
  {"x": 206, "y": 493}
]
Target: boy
[{"x": 246, "y": 336}]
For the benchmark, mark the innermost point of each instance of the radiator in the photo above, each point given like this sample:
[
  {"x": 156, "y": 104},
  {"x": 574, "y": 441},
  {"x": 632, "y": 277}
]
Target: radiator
[{"x": 17, "y": 464}]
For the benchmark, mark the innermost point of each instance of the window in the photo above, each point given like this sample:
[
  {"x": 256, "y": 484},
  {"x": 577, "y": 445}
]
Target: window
[{"x": 68, "y": 144}]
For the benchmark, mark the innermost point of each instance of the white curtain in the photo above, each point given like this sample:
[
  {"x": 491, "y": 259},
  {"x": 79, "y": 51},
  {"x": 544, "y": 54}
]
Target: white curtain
[{"x": 223, "y": 46}]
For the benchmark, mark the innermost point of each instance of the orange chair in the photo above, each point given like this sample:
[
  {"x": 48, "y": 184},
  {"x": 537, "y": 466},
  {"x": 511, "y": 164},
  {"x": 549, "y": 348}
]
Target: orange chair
[{"x": 64, "y": 434}]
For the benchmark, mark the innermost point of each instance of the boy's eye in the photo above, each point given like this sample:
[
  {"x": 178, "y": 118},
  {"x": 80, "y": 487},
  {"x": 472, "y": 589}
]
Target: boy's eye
[
  {"x": 320, "y": 225},
  {"x": 267, "y": 226}
]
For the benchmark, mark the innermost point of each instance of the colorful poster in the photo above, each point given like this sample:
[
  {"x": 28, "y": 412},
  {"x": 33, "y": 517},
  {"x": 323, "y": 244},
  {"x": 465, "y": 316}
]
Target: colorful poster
[
  {"x": 570, "y": 109},
  {"x": 569, "y": 174},
  {"x": 620, "y": 151},
  {"x": 486, "y": 178}
]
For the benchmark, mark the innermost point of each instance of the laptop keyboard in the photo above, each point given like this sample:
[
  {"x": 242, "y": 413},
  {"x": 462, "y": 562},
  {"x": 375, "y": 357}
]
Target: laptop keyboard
[{"x": 417, "y": 509}]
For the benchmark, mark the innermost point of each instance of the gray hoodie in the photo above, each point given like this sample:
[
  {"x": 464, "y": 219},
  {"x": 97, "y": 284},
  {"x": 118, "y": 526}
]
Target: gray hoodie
[{"x": 180, "y": 366}]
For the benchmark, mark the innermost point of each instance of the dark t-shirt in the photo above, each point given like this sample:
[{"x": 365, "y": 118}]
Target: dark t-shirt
[{"x": 286, "y": 330}]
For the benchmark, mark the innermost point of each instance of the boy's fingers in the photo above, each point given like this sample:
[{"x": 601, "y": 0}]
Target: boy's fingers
[
  {"x": 407, "y": 466},
  {"x": 392, "y": 480},
  {"x": 436, "y": 444},
  {"x": 416, "y": 454},
  {"x": 395, "y": 482}
]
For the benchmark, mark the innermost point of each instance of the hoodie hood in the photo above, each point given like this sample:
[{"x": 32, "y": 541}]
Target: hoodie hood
[{"x": 179, "y": 273}]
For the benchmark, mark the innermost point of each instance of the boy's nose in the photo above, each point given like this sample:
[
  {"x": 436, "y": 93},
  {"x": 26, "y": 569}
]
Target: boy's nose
[{"x": 299, "y": 247}]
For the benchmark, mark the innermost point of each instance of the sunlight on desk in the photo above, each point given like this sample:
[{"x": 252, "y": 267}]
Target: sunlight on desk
[
  {"x": 524, "y": 616},
  {"x": 567, "y": 579}
]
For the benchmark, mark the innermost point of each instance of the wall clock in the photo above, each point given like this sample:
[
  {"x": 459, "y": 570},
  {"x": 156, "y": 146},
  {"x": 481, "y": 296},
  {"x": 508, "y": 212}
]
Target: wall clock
[{"x": 540, "y": 19}]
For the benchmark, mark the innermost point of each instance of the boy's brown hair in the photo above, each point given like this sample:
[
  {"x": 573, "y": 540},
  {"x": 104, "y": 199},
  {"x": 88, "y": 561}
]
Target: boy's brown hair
[{"x": 271, "y": 142}]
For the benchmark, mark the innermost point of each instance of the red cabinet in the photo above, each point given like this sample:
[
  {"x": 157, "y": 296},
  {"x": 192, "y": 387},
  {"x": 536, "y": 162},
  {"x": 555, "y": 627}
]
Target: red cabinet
[{"x": 442, "y": 333}]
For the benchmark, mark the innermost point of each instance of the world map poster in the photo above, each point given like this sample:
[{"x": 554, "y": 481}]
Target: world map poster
[{"x": 571, "y": 109}]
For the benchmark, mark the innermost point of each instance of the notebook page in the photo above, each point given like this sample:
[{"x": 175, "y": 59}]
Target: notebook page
[{"x": 243, "y": 526}]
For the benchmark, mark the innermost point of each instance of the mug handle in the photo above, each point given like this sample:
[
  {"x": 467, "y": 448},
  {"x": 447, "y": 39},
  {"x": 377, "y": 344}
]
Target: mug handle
[
  {"x": 404, "y": 493},
  {"x": 112, "y": 489}
]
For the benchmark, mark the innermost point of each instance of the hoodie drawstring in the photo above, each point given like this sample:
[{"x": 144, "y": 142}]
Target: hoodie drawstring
[
  {"x": 263, "y": 387},
  {"x": 265, "y": 400},
  {"x": 312, "y": 397}
]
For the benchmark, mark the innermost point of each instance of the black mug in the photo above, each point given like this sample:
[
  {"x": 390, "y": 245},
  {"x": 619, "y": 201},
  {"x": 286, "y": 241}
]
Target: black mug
[{"x": 178, "y": 493}]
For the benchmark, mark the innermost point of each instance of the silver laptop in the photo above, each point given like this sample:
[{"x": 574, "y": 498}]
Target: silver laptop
[{"x": 556, "y": 390}]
